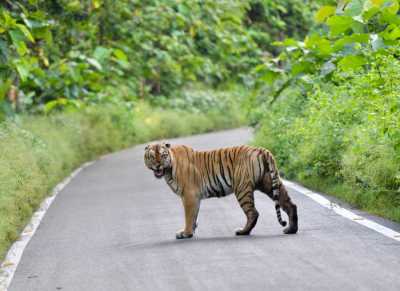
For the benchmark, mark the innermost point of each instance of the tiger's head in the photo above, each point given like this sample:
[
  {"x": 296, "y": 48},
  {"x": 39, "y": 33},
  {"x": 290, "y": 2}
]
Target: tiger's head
[{"x": 158, "y": 158}]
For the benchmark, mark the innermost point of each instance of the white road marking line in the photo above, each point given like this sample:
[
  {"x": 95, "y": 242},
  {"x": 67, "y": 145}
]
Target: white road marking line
[
  {"x": 14, "y": 254},
  {"x": 344, "y": 212}
]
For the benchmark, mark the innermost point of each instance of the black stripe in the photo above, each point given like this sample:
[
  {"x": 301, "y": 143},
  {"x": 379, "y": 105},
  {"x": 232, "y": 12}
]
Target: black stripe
[
  {"x": 223, "y": 171},
  {"x": 212, "y": 191},
  {"x": 241, "y": 198},
  {"x": 213, "y": 174},
  {"x": 259, "y": 166},
  {"x": 245, "y": 203}
]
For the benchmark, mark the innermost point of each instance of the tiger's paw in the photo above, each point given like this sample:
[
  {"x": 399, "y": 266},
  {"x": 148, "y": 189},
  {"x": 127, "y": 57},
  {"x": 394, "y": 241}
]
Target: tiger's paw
[
  {"x": 182, "y": 235},
  {"x": 290, "y": 230},
  {"x": 242, "y": 232}
]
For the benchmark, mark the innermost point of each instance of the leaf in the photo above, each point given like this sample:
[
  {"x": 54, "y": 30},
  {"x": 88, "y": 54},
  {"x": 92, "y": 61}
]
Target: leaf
[
  {"x": 392, "y": 32},
  {"x": 377, "y": 3},
  {"x": 354, "y": 8},
  {"x": 120, "y": 55},
  {"x": 17, "y": 39},
  {"x": 51, "y": 105},
  {"x": 94, "y": 63},
  {"x": 96, "y": 4},
  {"x": 101, "y": 53},
  {"x": 324, "y": 12},
  {"x": 74, "y": 6},
  {"x": 339, "y": 24},
  {"x": 376, "y": 42},
  {"x": 391, "y": 6},
  {"x": 370, "y": 12},
  {"x": 351, "y": 39},
  {"x": 26, "y": 32},
  {"x": 327, "y": 68},
  {"x": 389, "y": 18},
  {"x": 302, "y": 67},
  {"x": 351, "y": 62},
  {"x": 269, "y": 77},
  {"x": 287, "y": 43},
  {"x": 320, "y": 45},
  {"x": 22, "y": 68}
]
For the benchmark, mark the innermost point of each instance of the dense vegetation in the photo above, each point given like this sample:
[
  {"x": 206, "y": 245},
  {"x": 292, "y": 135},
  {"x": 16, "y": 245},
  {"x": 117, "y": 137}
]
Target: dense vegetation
[
  {"x": 69, "y": 53},
  {"x": 331, "y": 104},
  {"x": 317, "y": 79}
]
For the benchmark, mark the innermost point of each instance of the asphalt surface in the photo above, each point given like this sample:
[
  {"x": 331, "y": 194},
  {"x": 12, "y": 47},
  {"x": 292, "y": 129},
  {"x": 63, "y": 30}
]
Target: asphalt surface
[{"x": 113, "y": 228}]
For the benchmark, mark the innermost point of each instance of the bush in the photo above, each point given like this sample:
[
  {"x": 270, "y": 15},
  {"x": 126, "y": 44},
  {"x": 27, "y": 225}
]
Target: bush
[{"x": 343, "y": 138}]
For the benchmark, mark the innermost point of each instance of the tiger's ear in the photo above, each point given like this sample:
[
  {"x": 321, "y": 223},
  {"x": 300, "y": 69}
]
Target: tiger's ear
[
  {"x": 167, "y": 144},
  {"x": 147, "y": 147}
]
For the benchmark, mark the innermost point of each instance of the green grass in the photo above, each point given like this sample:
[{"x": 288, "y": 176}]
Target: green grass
[
  {"x": 36, "y": 152},
  {"x": 366, "y": 199}
]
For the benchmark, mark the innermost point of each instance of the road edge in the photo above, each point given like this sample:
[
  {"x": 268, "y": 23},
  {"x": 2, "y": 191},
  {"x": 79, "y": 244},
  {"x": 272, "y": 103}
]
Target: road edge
[
  {"x": 15, "y": 252},
  {"x": 386, "y": 231}
]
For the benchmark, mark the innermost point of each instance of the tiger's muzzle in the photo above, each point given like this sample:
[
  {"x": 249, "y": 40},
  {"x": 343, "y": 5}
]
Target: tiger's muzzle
[{"x": 159, "y": 173}]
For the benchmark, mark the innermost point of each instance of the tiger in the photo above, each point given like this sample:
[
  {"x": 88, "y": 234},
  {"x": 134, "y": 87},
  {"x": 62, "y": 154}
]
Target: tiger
[{"x": 197, "y": 175}]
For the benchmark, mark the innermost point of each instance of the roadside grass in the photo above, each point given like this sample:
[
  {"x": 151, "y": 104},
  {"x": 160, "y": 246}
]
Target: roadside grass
[
  {"x": 36, "y": 152},
  {"x": 374, "y": 202}
]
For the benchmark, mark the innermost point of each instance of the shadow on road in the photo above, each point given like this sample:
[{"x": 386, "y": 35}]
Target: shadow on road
[{"x": 201, "y": 241}]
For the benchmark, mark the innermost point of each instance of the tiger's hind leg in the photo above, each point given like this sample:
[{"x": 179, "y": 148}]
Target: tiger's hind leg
[
  {"x": 246, "y": 201},
  {"x": 282, "y": 200},
  {"x": 290, "y": 208},
  {"x": 271, "y": 184}
]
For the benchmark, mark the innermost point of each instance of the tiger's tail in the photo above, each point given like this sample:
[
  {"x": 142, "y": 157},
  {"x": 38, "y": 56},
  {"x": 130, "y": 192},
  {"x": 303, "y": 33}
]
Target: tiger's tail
[
  {"x": 276, "y": 184},
  {"x": 278, "y": 214}
]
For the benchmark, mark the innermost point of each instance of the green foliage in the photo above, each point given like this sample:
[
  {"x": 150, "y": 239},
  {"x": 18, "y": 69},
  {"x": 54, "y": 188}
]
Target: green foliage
[
  {"x": 67, "y": 53},
  {"x": 272, "y": 20},
  {"x": 332, "y": 111},
  {"x": 352, "y": 35}
]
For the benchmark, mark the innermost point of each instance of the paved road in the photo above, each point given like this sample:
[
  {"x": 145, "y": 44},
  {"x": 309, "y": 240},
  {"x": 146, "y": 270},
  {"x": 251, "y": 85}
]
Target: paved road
[{"x": 113, "y": 228}]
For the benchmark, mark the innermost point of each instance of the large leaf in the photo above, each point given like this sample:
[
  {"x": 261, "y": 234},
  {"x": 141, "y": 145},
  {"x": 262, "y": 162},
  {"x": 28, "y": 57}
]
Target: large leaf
[
  {"x": 320, "y": 45},
  {"x": 391, "y": 6},
  {"x": 26, "y": 32},
  {"x": 339, "y": 24},
  {"x": 351, "y": 39},
  {"x": 18, "y": 40},
  {"x": 302, "y": 67},
  {"x": 392, "y": 32},
  {"x": 354, "y": 8},
  {"x": 351, "y": 62},
  {"x": 389, "y": 18},
  {"x": 23, "y": 68},
  {"x": 324, "y": 12}
]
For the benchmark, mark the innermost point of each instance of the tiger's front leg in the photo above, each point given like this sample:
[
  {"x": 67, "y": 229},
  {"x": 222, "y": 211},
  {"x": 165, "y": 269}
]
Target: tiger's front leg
[{"x": 191, "y": 204}]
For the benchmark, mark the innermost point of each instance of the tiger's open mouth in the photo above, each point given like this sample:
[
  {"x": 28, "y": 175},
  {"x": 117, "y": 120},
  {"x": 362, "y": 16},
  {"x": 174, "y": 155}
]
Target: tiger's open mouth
[{"x": 159, "y": 173}]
